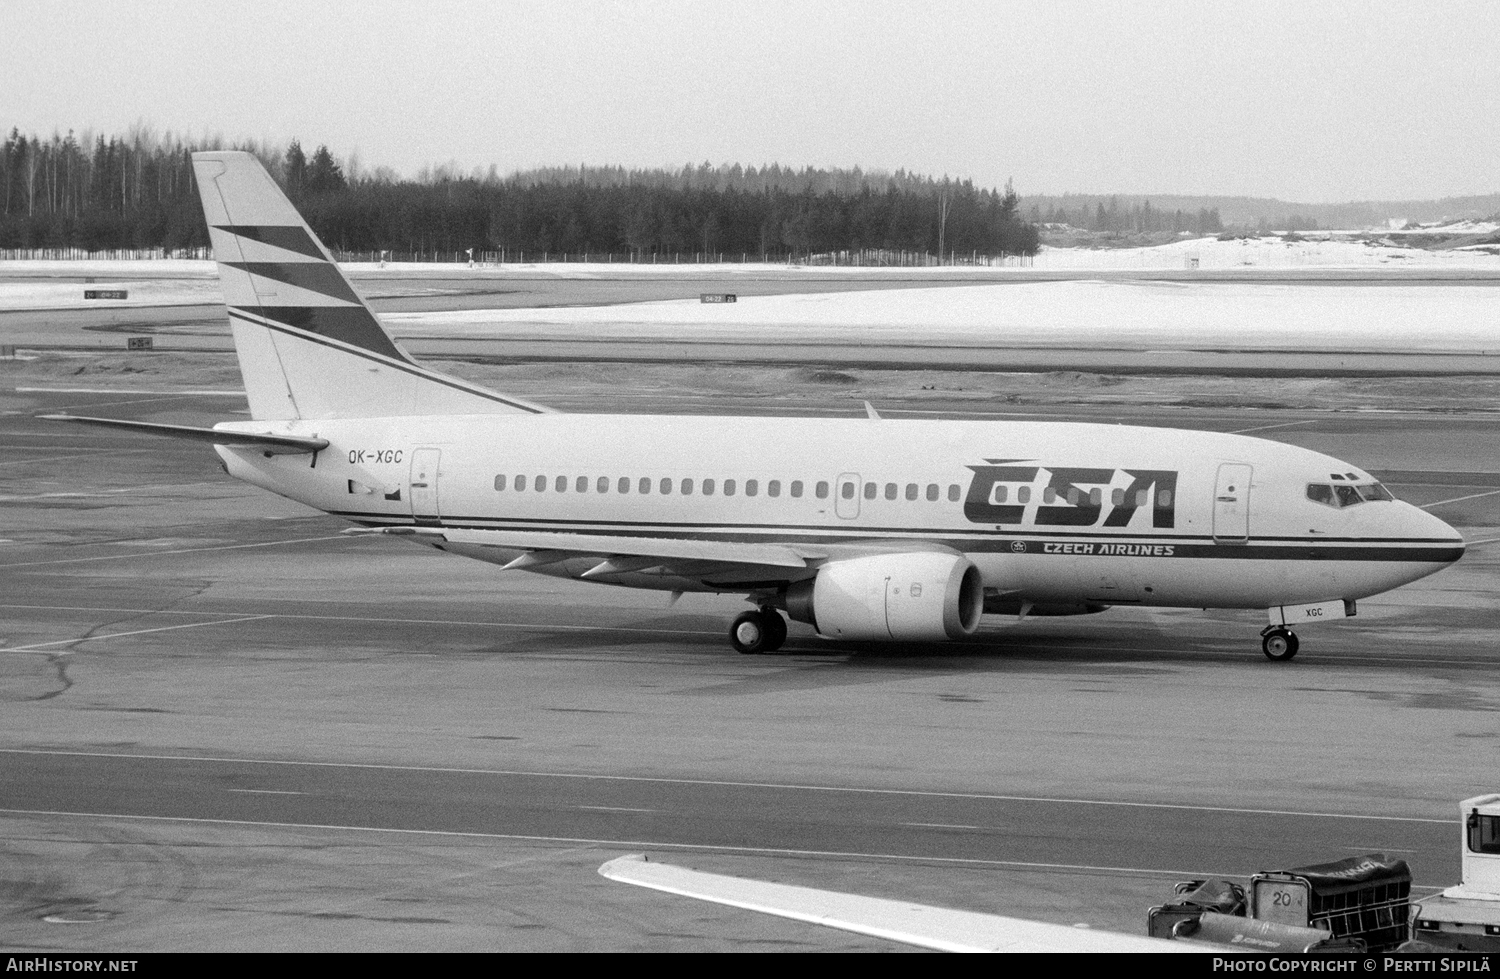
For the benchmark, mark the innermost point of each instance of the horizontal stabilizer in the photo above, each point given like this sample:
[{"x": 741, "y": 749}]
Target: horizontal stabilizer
[
  {"x": 945, "y": 929},
  {"x": 274, "y": 444},
  {"x": 558, "y": 545}
]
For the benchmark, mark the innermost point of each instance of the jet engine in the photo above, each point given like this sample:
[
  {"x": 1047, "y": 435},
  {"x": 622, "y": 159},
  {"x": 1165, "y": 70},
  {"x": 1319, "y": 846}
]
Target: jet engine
[{"x": 916, "y": 596}]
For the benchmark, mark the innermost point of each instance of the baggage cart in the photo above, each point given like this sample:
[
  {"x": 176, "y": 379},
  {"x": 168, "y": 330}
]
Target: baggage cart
[{"x": 1366, "y": 897}]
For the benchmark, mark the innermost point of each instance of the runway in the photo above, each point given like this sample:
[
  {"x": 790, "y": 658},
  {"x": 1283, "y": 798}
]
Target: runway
[{"x": 228, "y": 726}]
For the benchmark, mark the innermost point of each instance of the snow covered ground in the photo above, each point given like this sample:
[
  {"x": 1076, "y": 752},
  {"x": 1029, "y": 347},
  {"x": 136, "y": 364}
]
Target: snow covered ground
[
  {"x": 1314, "y": 250},
  {"x": 1134, "y": 314},
  {"x": 1269, "y": 252},
  {"x": 141, "y": 292},
  {"x": 1137, "y": 315}
]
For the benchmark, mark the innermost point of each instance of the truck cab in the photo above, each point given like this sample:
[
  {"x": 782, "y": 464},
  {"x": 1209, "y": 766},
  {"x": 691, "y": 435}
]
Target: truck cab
[{"x": 1467, "y": 917}]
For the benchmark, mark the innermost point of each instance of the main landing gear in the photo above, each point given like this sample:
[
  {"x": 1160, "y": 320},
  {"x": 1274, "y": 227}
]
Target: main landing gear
[
  {"x": 761, "y": 631},
  {"x": 1278, "y": 643}
]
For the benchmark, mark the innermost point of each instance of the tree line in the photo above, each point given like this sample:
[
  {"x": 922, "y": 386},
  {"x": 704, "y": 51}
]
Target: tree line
[
  {"x": 136, "y": 191},
  {"x": 1109, "y": 214}
]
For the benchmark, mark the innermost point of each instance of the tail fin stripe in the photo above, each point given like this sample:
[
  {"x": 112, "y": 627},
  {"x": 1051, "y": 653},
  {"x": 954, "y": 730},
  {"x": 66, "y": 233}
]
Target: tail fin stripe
[
  {"x": 351, "y": 325},
  {"x": 293, "y": 238},
  {"x": 309, "y": 346},
  {"x": 396, "y": 359},
  {"x": 319, "y": 277}
]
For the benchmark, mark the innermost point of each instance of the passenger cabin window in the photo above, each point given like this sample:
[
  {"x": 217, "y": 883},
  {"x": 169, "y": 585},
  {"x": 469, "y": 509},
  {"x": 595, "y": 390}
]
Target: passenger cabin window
[
  {"x": 752, "y": 487},
  {"x": 687, "y": 487},
  {"x": 890, "y": 491},
  {"x": 912, "y": 491},
  {"x": 520, "y": 483},
  {"x": 581, "y": 485},
  {"x": 796, "y": 489},
  {"x": 708, "y": 487},
  {"x": 664, "y": 487},
  {"x": 623, "y": 485},
  {"x": 602, "y": 485},
  {"x": 561, "y": 485},
  {"x": 500, "y": 483},
  {"x": 773, "y": 488},
  {"x": 932, "y": 491},
  {"x": 728, "y": 487},
  {"x": 870, "y": 490},
  {"x": 540, "y": 483}
]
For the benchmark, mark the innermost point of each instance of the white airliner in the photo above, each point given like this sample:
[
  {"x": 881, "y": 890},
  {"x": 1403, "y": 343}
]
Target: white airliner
[{"x": 867, "y": 529}]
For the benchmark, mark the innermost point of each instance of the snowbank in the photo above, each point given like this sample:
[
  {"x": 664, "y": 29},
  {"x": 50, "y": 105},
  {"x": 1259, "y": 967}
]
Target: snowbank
[
  {"x": 1136, "y": 315},
  {"x": 1312, "y": 251}
]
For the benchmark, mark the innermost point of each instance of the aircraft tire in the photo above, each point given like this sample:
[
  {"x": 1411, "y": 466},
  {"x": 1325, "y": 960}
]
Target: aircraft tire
[
  {"x": 1279, "y": 645},
  {"x": 750, "y": 634},
  {"x": 776, "y": 627}
]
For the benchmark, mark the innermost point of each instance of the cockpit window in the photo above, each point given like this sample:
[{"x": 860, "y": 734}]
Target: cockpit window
[
  {"x": 1347, "y": 495},
  {"x": 1320, "y": 493},
  {"x": 1340, "y": 495}
]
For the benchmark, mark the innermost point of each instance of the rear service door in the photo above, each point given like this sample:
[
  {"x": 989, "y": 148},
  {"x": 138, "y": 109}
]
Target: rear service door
[
  {"x": 424, "y": 485},
  {"x": 1232, "y": 504}
]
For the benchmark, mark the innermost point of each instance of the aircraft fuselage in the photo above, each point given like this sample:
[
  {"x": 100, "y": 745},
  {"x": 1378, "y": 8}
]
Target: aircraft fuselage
[{"x": 1048, "y": 512}]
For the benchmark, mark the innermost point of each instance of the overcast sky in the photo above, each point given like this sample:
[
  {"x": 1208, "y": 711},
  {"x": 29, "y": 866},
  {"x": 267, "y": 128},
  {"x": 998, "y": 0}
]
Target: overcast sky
[{"x": 1310, "y": 101}]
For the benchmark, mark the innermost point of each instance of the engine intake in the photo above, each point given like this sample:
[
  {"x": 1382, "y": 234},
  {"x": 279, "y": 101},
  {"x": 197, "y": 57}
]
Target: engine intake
[{"x": 916, "y": 596}]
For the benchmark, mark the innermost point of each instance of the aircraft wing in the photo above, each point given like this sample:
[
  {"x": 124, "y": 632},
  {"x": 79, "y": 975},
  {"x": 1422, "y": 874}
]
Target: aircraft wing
[
  {"x": 274, "y": 444},
  {"x": 943, "y": 929},
  {"x": 620, "y": 553}
]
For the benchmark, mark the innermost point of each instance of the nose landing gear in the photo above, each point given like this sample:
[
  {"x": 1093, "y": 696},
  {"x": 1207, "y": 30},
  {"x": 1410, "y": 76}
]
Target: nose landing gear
[
  {"x": 761, "y": 631},
  {"x": 1278, "y": 643}
]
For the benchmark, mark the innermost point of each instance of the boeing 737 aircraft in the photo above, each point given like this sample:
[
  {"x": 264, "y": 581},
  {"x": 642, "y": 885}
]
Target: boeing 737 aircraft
[{"x": 866, "y": 529}]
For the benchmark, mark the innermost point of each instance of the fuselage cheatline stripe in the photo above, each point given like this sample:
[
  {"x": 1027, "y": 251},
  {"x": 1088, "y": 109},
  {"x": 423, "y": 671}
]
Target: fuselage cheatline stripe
[{"x": 1104, "y": 547}]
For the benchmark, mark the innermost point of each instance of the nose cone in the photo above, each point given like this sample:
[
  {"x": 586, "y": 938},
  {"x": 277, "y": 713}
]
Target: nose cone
[{"x": 1445, "y": 545}]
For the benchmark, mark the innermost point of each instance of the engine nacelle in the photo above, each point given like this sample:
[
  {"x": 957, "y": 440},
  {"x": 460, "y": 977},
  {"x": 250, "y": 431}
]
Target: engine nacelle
[{"x": 915, "y": 596}]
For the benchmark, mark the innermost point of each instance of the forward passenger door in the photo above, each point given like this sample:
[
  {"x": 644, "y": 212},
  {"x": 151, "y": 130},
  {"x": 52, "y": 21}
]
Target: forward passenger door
[{"x": 1232, "y": 504}]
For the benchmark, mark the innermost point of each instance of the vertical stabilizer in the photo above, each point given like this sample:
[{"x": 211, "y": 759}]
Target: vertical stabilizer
[{"x": 309, "y": 346}]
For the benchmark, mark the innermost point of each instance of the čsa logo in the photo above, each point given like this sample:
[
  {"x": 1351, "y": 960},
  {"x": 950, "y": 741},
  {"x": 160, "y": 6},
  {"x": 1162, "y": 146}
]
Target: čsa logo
[{"x": 1019, "y": 491}]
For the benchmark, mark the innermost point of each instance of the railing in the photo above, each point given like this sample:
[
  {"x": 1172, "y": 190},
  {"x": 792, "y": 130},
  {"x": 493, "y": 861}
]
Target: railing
[
  {"x": 869, "y": 257},
  {"x": 856, "y": 258},
  {"x": 105, "y": 254}
]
